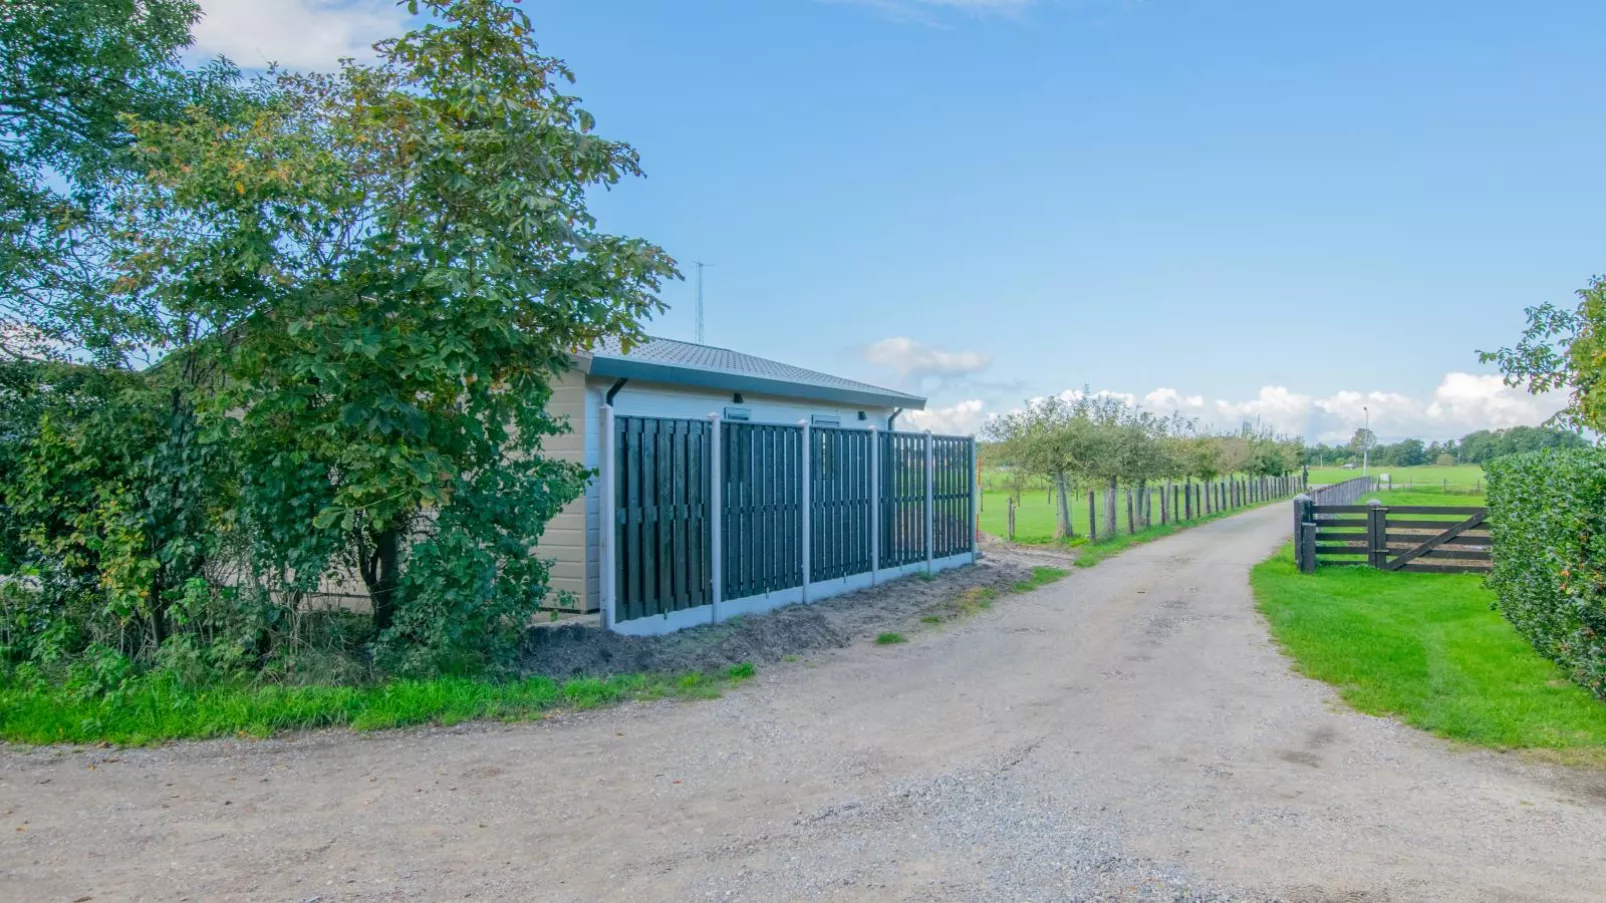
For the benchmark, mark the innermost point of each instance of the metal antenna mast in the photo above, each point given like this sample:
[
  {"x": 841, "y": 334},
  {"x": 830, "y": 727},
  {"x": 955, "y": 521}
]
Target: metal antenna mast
[{"x": 700, "y": 266}]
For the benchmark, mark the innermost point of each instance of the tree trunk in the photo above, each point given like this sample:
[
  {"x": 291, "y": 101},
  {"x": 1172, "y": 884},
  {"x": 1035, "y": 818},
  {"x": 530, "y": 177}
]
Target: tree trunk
[
  {"x": 381, "y": 573},
  {"x": 1064, "y": 529},
  {"x": 1110, "y": 519}
]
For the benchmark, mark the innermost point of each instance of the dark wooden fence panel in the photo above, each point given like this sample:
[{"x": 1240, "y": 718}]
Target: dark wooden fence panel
[
  {"x": 762, "y": 523},
  {"x": 839, "y": 502},
  {"x": 661, "y": 522},
  {"x": 952, "y": 496},
  {"x": 903, "y": 498}
]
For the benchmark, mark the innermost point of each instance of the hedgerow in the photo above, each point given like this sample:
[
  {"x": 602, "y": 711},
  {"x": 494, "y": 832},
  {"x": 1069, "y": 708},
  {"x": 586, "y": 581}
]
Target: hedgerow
[{"x": 1549, "y": 522}]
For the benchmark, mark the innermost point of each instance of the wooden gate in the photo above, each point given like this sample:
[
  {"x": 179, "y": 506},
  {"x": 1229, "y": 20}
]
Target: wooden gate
[
  {"x": 1416, "y": 538},
  {"x": 1433, "y": 545}
]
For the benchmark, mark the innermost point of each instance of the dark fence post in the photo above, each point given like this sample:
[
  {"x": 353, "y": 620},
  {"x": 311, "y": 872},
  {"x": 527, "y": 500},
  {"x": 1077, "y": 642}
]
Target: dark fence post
[
  {"x": 1011, "y": 518},
  {"x": 1377, "y": 533},
  {"x": 1307, "y": 545},
  {"x": 1092, "y": 519},
  {"x": 1303, "y": 514}
]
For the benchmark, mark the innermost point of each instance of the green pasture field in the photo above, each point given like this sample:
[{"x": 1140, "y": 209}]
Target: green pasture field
[
  {"x": 1468, "y": 477},
  {"x": 1034, "y": 518}
]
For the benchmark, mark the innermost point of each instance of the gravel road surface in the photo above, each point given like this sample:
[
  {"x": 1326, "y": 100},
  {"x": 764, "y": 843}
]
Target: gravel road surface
[{"x": 1129, "y": 733}]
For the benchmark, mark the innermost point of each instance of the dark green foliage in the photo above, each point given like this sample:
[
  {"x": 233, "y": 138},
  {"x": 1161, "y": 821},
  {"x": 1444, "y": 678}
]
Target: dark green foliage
[
  {"x": 1549, "y": 515},
  {"x": 357, "y": 288},
  {"x": 71, "y": 73}
]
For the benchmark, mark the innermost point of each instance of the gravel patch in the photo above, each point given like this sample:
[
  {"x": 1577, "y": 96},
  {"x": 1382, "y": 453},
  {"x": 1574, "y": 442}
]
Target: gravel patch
[{"x": 575, "y": 650}]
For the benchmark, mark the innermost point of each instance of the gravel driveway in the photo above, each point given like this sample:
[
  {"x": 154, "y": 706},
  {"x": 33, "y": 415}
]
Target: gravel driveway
[{"x": 1128, "y": 733}]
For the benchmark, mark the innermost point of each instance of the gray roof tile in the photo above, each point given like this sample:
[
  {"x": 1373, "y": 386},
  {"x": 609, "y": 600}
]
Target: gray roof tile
[{"x": 721, "y": 368}]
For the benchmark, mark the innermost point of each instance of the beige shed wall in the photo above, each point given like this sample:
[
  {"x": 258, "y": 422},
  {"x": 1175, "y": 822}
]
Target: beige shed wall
[{"x": 565, "y": 539}]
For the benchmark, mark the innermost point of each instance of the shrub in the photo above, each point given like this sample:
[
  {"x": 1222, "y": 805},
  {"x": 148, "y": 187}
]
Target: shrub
[{"x": 1548, "y": 511}]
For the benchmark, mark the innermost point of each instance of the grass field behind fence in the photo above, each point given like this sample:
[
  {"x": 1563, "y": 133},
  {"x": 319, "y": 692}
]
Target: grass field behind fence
[
  {"x": 1430, "y": 650},
  {"x": 1035, "y": 518},
  {"x": 1458, "y": 476}
]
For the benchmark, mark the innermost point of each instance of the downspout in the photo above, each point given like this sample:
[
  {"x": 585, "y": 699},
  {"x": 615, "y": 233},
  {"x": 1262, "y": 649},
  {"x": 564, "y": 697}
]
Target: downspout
[
  {"x": 892, "y": 419},
  {"x": 614, "y": 390}
]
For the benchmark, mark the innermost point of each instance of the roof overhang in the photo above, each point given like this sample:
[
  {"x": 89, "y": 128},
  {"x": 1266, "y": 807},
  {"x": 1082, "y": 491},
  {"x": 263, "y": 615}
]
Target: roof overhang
[{"x": 718, "y": 380}]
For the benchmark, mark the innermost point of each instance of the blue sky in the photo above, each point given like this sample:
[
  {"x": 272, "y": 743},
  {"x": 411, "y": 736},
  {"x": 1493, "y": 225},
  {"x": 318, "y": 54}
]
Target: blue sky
[{"x": 1233, "y": 207}]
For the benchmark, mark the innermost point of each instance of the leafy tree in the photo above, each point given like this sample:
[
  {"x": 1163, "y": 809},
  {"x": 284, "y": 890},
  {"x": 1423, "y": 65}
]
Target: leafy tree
[
  {"x": 1045, "y": 438},
  {"x": 388, "y": 266},
  {"x": 70, "y": 72},
  {"x": 1363, "y": 440},
  {"x": 1563, "y": 349}
]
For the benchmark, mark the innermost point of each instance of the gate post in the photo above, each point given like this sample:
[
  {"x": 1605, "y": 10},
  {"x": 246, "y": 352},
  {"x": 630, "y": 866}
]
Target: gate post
[
  {"x": 608, "y": 569},
  {"x": 875, "y": 504},
  {"x": 931, "y": 506},
  {"x": 1377, "y": 533},
  {"x": 808, "y": 503},
  {"x": 716, "y": 516},
  {"x": 1304, "y": 553}
]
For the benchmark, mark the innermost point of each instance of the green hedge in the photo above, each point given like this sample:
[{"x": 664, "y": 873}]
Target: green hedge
[{"x": 1548, "y": 509}]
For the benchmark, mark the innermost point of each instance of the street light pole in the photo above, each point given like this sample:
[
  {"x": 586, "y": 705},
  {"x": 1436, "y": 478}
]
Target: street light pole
[{"x": 1366, "y": 441}]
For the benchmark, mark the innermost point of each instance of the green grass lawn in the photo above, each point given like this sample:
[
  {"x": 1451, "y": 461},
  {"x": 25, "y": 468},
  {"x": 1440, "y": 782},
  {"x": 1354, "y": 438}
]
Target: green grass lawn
[
  {"x": 1034, "y": 519},
  {"x": 1428, "y": 649},
  {"x": 152, "y": 711},
  {"x": 1429, "y": 496},
  {"x": 1457, "y": 476}
]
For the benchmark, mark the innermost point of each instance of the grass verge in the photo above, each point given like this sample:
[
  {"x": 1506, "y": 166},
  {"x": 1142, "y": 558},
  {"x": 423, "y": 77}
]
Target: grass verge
[
  {"x": 1429, "y": 650},
  {"x": 152, "y": 711},
  {"x": 890, "y": 639}
]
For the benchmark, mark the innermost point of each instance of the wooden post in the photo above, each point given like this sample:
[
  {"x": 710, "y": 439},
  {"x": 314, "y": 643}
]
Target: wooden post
[
  {"x": 716, "y": 526},
  {"x": 1011, "y": 520},
  {"x": 1131, "y": 524},
  {"x": 608, "y": 567},
  {"x": 1377, "y": 533},
  {"x": 1092, "y": 518},
  {"x": 1307, "y": 542}
]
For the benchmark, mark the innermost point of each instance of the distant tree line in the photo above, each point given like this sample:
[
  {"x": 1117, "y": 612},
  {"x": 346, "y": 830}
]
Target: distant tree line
[
  {"x": 1098, "y": 443},
  {"x": 1474, "y": 448}
]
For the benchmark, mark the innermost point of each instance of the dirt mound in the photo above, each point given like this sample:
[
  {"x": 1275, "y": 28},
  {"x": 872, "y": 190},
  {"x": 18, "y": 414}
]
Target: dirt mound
[{"x": 586, "y": 650}]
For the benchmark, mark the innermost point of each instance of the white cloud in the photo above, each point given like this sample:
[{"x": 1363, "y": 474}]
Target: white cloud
[
  {"x": 961, "y": 419},
  {"x": 301, "y": 34},
  {"x": 915, "y": 359},
  {"x": 1462, "y": 403},
  {"x": 1166, "y": 401}
]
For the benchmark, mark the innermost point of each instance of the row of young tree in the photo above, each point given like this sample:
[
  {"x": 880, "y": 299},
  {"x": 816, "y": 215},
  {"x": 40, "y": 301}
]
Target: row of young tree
[
  {"x": 1097, "y": 442},
  {"x": 1477, "y": 447},
  {"x": 254, "y": 332}
]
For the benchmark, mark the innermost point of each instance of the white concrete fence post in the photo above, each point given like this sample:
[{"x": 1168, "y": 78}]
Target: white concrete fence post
[
  {"x": 609, "y": 516},
  {"x": 807, "y": 513},
  {"x": 875, "y": 504},
  {"x": 931, "y": 501},
  {"x": 975, "y": 501},
  {"x": 716, "y": 516}
]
